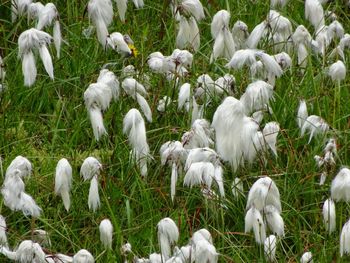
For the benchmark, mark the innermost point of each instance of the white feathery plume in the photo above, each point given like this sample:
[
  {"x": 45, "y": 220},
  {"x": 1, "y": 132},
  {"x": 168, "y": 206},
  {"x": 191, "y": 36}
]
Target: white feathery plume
[
  {"x": 90, "y": 167},
  {"x": 28, "y": 206},
  {"x": 63, "y": 181},
  {"x": 156, "y": 62},
  {"x": 184, "y": 97},
  {"x": 329, "y": 215},
  {"x": 194, "y": 36},
  {"x": 283, "y": 59},
  {"x": 29, "y": 68},
  {"x": 106, "y": 233},
  {"x": 201, "y": 234},
  {"x": 225, "y": 84},
  {"x": 224, "y": 45},
  {"x": 314, "y": 13},
  {"x": 257, "y": 34},
  {"x": 270, "y": 133},
  {"x": 274, "y": 220},
  {"x": 42, "y": 237},
  {"x": 57, "y": 37},
  {"x": 19, "y": 8},
  {"x": 34, "y": 10},
  {"x": 117, "y": 42},
  {"x": 257, "y": 95},
  {"x": 306, "y": 258},
  {"x": 134, "y": 128},
  {"x": 11, "y": 191},
  {"x": 345, "y": 239},
  {"x": 205, "y": 252},
  {"x": 240, "y": 34},
  {"x": 154, "y": 258},
  {"x": 344, "y": 42},
  {"x": 46, "y": 15},
  {"x": 254, "y": 221},
  {"x": 200, "y": 173},
  {"x": 101, "y": 15},
  {"x": 131, "y": 87},
  {"x": 122, "y": 6},
  {"x": 270, "y": 248},
  {"x": 197, "y": 110},
  {"x": 336, "y": 30},
  {"x": 302, "y": 113},
  {"x": 144, "y": 107},
  {"x": 201, "y": 155},
  {"x": 241, "y": 58},
  {"x": 337, "y": 71},
  {"x": 83, "y": 256},
  {"x": 218, "y": 177},
  {"x": 183, "y": 33},
  {"x": 315, "y": 125},
  {"x": 22, "y": 165},
  {"x": 163, "y": 104},
  {"x": 96, "y": 119},
  {"x": 220, "y": 20},
  {"x": 264, "y": 192},
  {"x": 205, "y": 87},
  {"x": 237, "y": 187},
  {"x": 301, "y": 39},
  {"x": 271, "y": 65},
  {"x": 182, "y": 57},
  {"x": 3, "y": 235},
  {"x": 94, "y": 197},
  {"x": 168, "y": 235},
  {"x": 108, "y": 77},
  {"x": 199, "y": 136},
  {"x": 46, "y": 59},
  {"x": 340, "y": 189},
  {"x": 194, "y": 8},
  {"x": 138, "y": 3}
]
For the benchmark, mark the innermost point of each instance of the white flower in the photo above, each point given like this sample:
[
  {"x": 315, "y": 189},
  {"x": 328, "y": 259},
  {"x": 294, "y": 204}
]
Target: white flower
[
  {"x": 306, "y": 258},
  {"x": 262, "y": 193},
  {"x": 168, "y": 235},
  {"x": 270, "y": 248},
  {"x": 134, "y": 128},
  {"x": 337, "y": 71},
  {"x": 106, "y": 233},
  {"x": 101, "y": 15},
  {"x": 126, "y": 249},
  {"x": 201, "y": 155},
  {"x": 117, "y": 42},
  {"x": 83, "y": 256},
  {"x": 19, "y": 7},
  {"x": 63, "y": 181},
  {"x": 315, "y": 125},
  {"x": 90, "y": 167},
  {"x": 254, "y": 221},
  {"x": 194, "y": 8},
  {"x": 270, "y": 133},
  {"x": 340, "y": 189},
  {"x": 274, "y": 220},
  {"x": 257, "y": 34},
  {"x": 199, "y": 136},
  {"x": 329, "y": 215},
  {"x": 200, "y": 235}
]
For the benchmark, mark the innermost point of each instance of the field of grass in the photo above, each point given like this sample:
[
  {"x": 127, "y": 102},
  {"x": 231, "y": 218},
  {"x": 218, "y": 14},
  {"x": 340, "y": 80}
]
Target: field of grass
[{"x": 49, "y": 121}]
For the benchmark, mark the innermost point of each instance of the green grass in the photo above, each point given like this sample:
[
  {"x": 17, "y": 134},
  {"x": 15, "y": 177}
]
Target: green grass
[{"x": 49, "y": 121}]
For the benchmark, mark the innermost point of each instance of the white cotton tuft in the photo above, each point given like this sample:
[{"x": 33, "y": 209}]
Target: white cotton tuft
[
  {"x": 254, "y": 221},
  {"x": 337, "y": 71},
  {"x": 183, "y": 34},
  {"x": 314, "y": 125},
  {"x": 314, "y": 13},
  {"x": 274, "y": 220},
  {"x": 237, "y": 187},
  {"x": 83, "y": 256},
  {"x": 134, "y": 128},
  {"x": 184, "y": 97},
  {"x": 270, "y": 64},
  {"x": 3, "y": 235},
  {"x": 256, "y": 35},
  {"x": 345, "y": 239},
  {"x": 306, "y": 258},
  {"x": 340, "y": 189},
  {"x": 240, "y": 34},
  {"x": 205, "y": 252},
  {"x": 29, "y": 68},
  {"x": 90, "y": 167},
  {"x": 168, "y": 235},
  {"x": 194, "y": 36},
  {"x": 94, "y": 197},
  {"x": 117, "y": 42},
  {"x": 329, "y": 215},
  {"x": 63, "y": 181},
  {"x": 22, "y": 165},
  {"x": 194, "y": 8},
  {"x": 106, "y": 233},
  {"x": 46, "y": 59},
  {"x": 57, "y": 37},
  {"x": 174, "y": 176},
  {"x": 28, "y": 206},
  {"x": 241, "y": 58},
  {"x": 144, "y": 107},
  {"x": 107, "y": 77},
  {"x": 200, "y": 173},
  {"x": 270, "y": 133},
  {"x": 270, "y": 248},
  {"x": 302, "y": 113},
  {"x": 122, "y": 6}
]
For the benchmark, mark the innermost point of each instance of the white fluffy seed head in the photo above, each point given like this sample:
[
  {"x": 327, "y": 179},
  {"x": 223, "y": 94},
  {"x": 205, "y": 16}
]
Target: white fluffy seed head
[
  {"x": 106, "y": 233},
  {"x": 340, "y": 189},
  {"x": 329, "y": 215},
  {"x": 270, "y": 248},
  {"x": 168, "y": 235},
  {"x": 306, "y": 258},
  {"x": 83, "y": 256},
  {"x": 337, "y": 71},
  {"x": 63, "y": 181},
  {"x": 91, "y": 167}
]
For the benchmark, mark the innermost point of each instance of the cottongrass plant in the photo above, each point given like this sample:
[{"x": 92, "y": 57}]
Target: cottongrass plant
[
  {"x": 306, "y": 258},
  {"x": 63, "y": 181},
  {"x": 106, "y": 233},
  {"x": 329, "y": 215},
  {"x": 168, "y": 235}
]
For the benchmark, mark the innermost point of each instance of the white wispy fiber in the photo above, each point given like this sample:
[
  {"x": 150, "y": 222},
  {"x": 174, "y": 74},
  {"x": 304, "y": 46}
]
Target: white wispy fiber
[
  {"x": 29, "y": 41},
  {"x": 254, "y": 221},
  {"x": 137, "y": 91},
  {"x": 314, "y": 125},
  {"x": 329, "y": 215},
  {"x": 90, "y": 167},
  {"x": 193, "y": 8},
  {"x": 284, "y": 60},
  {"x": 274, "y": 220},
  {"x": 257, "y": 96},
  {"x": 134, "y": 128},
  {"x": 240, "y": 34},
  {"x": 19, "y": 8},
  {"x": 26, "y": 252},
  {"x": 225, "y": 85},
  {"x": 34, "y": 10},
  {"x": 337, "y": 71},
  {"x": 138, "y": 3},
  {"x": 238, "y": 144},
  {"x": 3, "y": 235},
  {"x": 259, "y": 32},
  {"x": 302, "y": 113},
  {"x": 340, "y": 189},
  {"x": 2, "y": 70},
  {"x": 117, "y": 42},
  {"x": 42, "y": 237},
  {"x": 224, "y": 45},
  {"x": 83, "y": 256},
  {"x": 163, "y": 104},
  {"x": 314, "y": 13},
  {"x": 197, "y": 110},
  {"x": 271, "y": 66},
  {"x": 184, "y": 97},
  {"x": 201, "y": 155},
  {"x": 63, "y": 181},
  {"x": 264, "y": 192},
  {"x": 241, "y": 58},
  {"x": 270, "y": 133},
  {"x": 205, "y": 89},
  {"x": 345, "y": 239},
  {"x": 199, "y": 136},
  {"x": 188, "y": 34},
  {"x": 94, "y": 198},
  {"x": 168, "y": 235},
  {"x": 205, "y": 252},
  {"x": 270, "y": 248},
  {"x": 101, "y": 15},
  {"x": 306, "y": 258},
  {"x": 200, "y": 173},
  {"x": 122, "y": 6},
  {"x": 106, "y": 233},
  {"x": 22, "y": 165},
  {"x": 173, "y": 154},
  {"x": 302, "y": 41}
]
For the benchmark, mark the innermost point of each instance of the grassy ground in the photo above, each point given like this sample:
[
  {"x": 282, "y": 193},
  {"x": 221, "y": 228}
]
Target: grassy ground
[{"x": 48, "y": 121}]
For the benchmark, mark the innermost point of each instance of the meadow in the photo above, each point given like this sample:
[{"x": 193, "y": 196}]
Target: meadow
[{"x": 49, "y": 121}]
